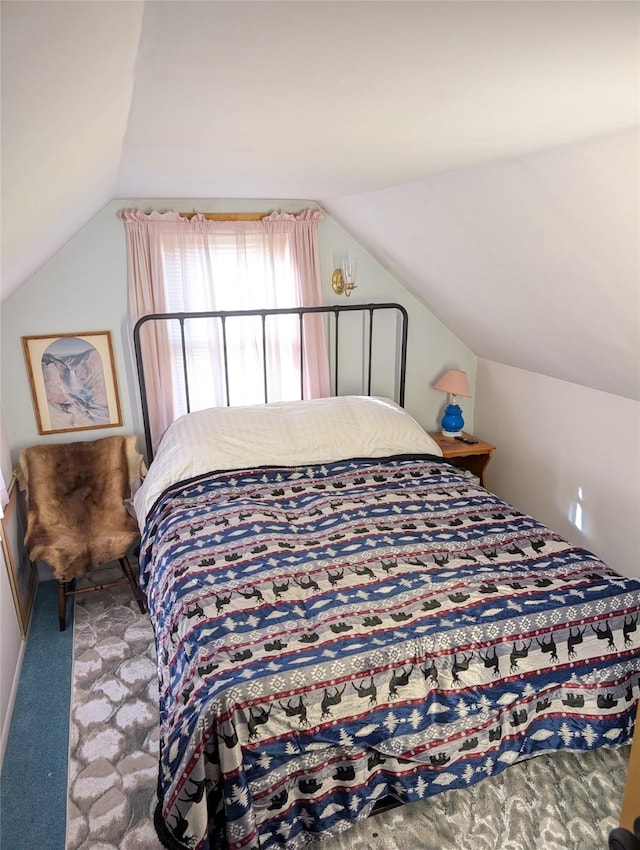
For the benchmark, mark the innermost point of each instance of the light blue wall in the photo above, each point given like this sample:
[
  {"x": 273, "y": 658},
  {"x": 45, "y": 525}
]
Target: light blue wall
[{"x": 84, "y": 288}]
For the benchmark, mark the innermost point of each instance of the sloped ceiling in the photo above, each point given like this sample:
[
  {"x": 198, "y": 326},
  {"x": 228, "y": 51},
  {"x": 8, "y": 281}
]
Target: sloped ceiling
[{"x": 441, "y": 134}]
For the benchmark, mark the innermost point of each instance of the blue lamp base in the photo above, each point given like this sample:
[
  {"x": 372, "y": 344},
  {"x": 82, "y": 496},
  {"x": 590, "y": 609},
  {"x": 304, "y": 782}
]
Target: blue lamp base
[{"x": 452, "y": 421}]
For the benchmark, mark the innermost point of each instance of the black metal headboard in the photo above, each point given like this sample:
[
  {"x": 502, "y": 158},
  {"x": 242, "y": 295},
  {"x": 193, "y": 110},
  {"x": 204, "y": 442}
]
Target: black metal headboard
[{"x": 332, "y": 314}]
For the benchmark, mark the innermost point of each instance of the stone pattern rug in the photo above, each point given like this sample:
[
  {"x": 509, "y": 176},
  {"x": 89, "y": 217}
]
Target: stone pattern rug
[
  {"x": 113, "y": 734},
  {"x": 562, "y": 801}
]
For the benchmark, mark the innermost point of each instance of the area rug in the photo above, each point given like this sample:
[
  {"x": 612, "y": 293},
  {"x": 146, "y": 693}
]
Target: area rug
[
  {"x": 113, "y": 734},
  {"x": 562, "y": 801}
]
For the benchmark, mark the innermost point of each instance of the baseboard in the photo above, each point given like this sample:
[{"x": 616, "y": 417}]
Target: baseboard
[{"x": 12, "y": 700}]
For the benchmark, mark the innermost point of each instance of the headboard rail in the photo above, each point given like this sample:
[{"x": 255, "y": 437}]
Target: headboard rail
[{"x": 332, "y": 314}]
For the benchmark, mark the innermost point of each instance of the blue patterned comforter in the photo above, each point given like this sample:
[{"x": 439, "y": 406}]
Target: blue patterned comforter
[{"x": 334, "y": 634}]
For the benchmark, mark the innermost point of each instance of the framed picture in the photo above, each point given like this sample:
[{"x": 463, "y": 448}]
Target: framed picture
[
  {"x": 73, "y": 381},
  {"x": 23, "y": 575}
]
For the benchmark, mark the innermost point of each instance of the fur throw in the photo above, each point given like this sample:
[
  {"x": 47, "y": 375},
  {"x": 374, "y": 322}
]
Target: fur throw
[{"x": 76, "y": 517}]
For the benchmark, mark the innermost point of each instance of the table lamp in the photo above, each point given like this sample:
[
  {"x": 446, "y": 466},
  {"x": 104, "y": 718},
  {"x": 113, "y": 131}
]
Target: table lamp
[{"x": 454, "y": 382}]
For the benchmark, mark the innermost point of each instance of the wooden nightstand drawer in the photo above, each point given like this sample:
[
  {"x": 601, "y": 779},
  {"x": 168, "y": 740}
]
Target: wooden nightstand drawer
[{"x": 474, "y": 457}]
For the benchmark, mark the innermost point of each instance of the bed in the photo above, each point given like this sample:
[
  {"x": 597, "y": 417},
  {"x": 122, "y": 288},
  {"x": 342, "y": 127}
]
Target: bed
[{"x": 343, "y": 617}]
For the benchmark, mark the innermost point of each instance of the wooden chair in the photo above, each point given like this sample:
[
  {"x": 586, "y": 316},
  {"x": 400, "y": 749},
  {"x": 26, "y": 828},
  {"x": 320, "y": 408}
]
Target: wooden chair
[{"x": 76, "y": 516}]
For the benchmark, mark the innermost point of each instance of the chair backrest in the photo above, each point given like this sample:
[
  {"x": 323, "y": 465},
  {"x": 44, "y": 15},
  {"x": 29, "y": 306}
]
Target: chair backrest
[{"x": 76, "y": 516}]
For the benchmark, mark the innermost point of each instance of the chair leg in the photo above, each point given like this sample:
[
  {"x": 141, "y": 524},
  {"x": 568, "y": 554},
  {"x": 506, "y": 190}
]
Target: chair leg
[
  {"x": 62, "y": 605},
  {"x": 126, "y": 569},
  {"x": 65, "y": 589}
]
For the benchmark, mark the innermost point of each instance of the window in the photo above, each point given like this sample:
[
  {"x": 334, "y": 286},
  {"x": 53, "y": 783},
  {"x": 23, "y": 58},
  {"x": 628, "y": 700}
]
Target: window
[{"x": 181, "y": 265}]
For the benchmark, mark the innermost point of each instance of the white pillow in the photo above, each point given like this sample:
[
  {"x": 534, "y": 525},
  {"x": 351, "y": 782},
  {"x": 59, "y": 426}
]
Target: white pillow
[{"x": 284, "y": 433}]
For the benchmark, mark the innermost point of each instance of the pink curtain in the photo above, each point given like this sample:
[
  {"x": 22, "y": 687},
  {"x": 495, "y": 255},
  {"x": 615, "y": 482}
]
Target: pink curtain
[
  {"x": 177, "y": 264},
  {"x": 301, "y": 235},
  {"x": 147, "y": 295}
]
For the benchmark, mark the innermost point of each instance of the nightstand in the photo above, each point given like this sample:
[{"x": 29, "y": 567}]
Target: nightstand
[
  {"x": 474, "y": 457},
  {"x": 631, "y": 800}
]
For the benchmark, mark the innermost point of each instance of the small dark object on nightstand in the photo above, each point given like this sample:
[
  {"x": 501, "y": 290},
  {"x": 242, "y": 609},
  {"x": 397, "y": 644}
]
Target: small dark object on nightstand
[{"x": 466, "y": 440}]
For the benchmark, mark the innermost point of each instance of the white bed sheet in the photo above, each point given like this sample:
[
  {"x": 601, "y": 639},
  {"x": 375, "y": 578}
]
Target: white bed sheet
[{"x": 286, "y": 433}]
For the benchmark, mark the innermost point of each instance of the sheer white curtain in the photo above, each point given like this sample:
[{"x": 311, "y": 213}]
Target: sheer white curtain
[{"x": 177, "y": 264}]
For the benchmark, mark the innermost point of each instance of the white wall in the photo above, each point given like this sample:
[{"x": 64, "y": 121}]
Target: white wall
[
  {"x": 84, "y": 287},
  {"x": 566, "y": 454},
  {"x": 11, "y": 651},
  {"x": 11, "y": 644},
  {"x": 533, "y": 261}
]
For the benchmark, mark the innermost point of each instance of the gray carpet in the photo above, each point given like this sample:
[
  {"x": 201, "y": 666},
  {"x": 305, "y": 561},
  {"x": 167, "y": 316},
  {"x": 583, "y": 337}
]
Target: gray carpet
[{"x": 562, "y": 801}]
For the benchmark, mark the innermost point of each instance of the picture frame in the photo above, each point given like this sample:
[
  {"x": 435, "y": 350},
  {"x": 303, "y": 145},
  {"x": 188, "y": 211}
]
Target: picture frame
[
  {"x": 23, "y": 573},
  {"x": 73, "y": 381}
]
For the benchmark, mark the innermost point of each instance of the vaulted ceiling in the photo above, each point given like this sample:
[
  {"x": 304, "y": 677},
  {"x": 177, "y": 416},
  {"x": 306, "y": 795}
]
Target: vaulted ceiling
[{"x": 485, "y": 152}]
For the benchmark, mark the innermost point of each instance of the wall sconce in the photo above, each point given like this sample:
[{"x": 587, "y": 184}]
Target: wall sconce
[
  {"x": 344, "y": 279},
  {"x": 455, "y": 383}
]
